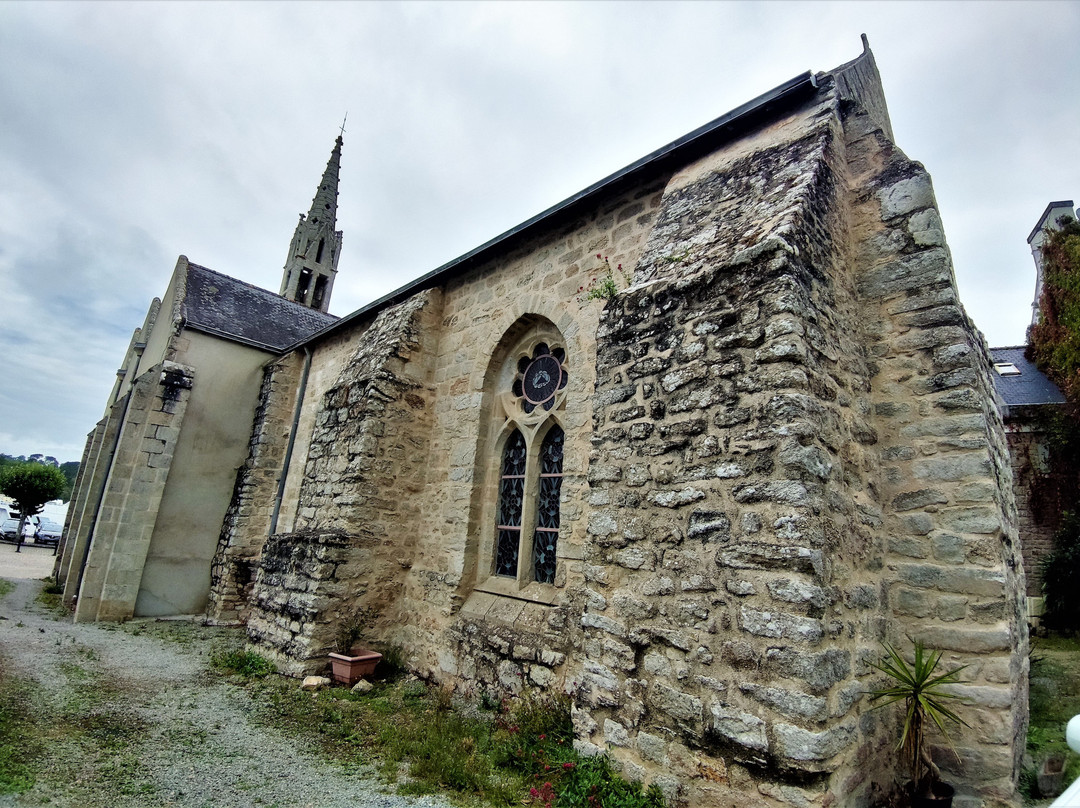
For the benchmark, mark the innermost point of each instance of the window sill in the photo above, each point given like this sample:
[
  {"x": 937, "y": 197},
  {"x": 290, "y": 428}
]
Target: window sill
[{"x": 544, "y": 594}]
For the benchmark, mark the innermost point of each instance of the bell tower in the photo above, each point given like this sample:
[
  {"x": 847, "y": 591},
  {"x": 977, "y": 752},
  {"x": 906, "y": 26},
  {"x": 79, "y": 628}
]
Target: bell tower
[{"x": 313, "y": 255}]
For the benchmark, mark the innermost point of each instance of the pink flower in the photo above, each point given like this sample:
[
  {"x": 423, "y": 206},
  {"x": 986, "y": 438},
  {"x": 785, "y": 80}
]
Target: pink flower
[{"x": 568, "y": 765}]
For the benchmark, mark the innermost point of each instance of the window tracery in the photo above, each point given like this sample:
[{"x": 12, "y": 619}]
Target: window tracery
[{"x": 527, "y": 511}]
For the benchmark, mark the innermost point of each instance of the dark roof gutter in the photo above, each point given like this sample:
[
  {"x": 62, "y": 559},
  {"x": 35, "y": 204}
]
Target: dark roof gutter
[
  {"x": 699, "y": 141},
  {"x": 224, "y": 335}
]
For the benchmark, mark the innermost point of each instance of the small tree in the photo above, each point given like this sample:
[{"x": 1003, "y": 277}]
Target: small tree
[
  {"x": 919, "y": 687},
  {"x": 31, "y": 485}
]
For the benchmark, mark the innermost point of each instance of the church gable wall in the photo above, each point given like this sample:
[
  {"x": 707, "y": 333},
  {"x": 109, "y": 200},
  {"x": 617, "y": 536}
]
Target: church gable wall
[
  {"x": 208, "y": 451},
  {"x": 254, "y": 503}
]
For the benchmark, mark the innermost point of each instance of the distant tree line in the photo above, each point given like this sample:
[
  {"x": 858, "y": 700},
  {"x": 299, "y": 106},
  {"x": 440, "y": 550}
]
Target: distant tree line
[{"x": 69, "y": 470}]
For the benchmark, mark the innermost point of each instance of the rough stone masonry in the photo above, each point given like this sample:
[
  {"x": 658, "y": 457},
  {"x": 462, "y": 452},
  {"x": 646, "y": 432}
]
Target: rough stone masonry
[{"x": 782, "y": 448}]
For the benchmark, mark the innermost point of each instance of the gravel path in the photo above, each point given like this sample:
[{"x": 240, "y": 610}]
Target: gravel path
[{"x": 157, "y": 728}]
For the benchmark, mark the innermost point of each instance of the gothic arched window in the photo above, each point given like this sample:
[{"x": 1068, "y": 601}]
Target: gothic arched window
[{"x": 531, "y": 465}]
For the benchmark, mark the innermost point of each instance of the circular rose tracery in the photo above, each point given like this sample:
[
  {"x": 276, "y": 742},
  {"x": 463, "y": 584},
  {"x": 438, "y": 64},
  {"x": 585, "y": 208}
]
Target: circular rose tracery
[{"x": 540, "y": 377}]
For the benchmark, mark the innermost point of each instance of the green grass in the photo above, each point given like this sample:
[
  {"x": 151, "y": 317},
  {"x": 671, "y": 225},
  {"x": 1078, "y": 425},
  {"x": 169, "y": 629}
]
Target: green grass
[
  {"x": 6, "y": 587},
  {"x": 428, "y": 741},
  {"x": 1054, "y": 698},
  {"x": 18, "y": 741}
]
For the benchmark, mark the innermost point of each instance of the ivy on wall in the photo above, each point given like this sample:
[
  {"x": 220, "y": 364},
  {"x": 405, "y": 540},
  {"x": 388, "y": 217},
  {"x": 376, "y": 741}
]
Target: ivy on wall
[
  {"x": 1054, "y": 346},
  {"x": 1054, "y": 342}
]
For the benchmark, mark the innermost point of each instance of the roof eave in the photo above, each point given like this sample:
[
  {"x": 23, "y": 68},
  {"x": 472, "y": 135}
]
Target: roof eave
[{"x": 223, "y": 335}]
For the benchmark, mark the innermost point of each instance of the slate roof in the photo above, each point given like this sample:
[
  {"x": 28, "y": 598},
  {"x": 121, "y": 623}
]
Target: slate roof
[
  {"x": 232, "y": 309},
  {"x": 1030, "y": 387}
]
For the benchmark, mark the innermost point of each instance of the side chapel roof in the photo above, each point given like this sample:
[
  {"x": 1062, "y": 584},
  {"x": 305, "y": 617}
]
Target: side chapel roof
[{"x": 240, "y": 312}]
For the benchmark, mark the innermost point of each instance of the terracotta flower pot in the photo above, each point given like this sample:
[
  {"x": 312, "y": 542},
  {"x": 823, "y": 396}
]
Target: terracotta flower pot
[{"x": 350, "y": 669}]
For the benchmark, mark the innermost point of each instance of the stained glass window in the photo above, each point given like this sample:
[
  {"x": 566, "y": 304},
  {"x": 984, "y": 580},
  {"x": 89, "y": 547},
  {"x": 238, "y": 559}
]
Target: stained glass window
[
  {"x": 530, "y": 484},
  {"x": 540, "y": 377},
  {"x": 511, "y": 501},
  {"x": 546, "y": 538}
]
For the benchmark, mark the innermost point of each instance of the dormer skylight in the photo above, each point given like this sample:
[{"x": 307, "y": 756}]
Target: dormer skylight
[{"x": 1006, "y": 369}]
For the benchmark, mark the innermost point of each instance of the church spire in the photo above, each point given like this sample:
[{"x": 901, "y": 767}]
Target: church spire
[{"x": 313, "y": 255}]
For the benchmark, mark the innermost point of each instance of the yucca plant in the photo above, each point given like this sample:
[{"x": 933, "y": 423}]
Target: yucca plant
[{"x": 920, "y": 687}]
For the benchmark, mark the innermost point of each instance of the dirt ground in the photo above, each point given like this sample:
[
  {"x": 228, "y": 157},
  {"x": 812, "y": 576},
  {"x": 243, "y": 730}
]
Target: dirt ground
[{"x": 116, "y": 717}]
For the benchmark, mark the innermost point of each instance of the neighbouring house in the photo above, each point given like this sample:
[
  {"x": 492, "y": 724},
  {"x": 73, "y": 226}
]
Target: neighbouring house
[
  {"x": 1031, "y": 407},
  {"x": 696, "y": 500}
]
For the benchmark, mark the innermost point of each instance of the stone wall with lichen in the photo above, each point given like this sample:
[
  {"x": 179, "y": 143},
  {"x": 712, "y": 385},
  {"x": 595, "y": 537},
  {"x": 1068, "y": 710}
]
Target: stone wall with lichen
[
  {"x": 732, "y": 562},
  {"x": 953, "y": 577},
  {"x": 363, "y": 479},
  {"x": 461, "y": 621},
  {"x": 251, "y": 512}
]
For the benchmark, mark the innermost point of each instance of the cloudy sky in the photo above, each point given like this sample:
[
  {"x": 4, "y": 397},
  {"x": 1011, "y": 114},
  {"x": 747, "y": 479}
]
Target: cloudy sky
[{"x": 131, "y": 133}]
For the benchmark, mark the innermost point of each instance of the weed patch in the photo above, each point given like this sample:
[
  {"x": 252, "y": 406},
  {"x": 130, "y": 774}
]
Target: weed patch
[
  {"x": 81, "y": 720},
  {"x": 6, "y": 587},
  {"x": 242, "y": 663},
  {"x": 518, "y": 751},
  {"x": 51, "y": 598},
  {"x": 1053, "y": 698}
]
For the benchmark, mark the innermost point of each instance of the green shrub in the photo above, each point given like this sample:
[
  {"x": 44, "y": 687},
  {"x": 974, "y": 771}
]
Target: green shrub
[
  {"x": 1054, "y": 342},
  {"x": 593, "y": 782},
  {"x": 522, "y": 754},
  {"x": 1061, "y": 577}
]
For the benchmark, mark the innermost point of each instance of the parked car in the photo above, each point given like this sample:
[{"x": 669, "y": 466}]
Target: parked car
[
  {"x": 48, "y": 531},
  {"x": 9, "y": 528}
]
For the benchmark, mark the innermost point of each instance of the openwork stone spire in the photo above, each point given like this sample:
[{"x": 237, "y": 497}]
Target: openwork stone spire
[{"x": 316, "y": 246}]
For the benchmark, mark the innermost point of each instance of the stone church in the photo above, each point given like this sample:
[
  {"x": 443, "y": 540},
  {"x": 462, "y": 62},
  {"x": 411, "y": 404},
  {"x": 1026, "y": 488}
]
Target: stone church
[{"x": 697, "y": 500}]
